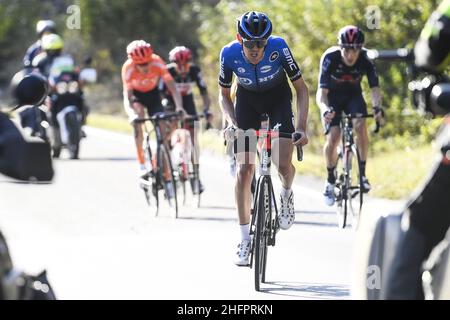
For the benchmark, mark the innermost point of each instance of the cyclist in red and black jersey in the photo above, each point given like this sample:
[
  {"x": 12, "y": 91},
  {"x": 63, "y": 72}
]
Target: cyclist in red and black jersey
[{"x": 187, "y": 75}]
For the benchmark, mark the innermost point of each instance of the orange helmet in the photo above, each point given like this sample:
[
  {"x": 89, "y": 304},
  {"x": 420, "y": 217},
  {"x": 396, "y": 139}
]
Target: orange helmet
[
  {"x": 180, "y": 55},
  {"x": 140, "y": 51}
]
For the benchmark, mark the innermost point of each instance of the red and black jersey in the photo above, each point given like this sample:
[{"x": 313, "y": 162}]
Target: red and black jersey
[{"x": 186, "y": 79}]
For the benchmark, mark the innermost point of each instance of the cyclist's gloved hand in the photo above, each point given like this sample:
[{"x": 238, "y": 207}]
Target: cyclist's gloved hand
[
  {"x": 181, "y": 111},
  {"x": 303, "y": 140},
  {"x": 328, "y": 115},
  {"x": 229, "y": 133},
  {"x": 379, "y": 115}
]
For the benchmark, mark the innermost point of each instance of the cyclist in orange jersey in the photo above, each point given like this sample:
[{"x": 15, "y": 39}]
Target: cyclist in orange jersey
[{"x": 140, "y": 76}]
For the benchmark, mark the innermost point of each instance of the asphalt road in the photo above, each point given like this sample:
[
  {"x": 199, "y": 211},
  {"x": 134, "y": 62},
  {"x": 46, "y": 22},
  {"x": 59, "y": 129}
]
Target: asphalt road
[{"x": 94, "y": 233}]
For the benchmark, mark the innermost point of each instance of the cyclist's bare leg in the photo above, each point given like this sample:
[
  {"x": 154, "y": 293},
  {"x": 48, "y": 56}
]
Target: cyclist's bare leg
[
  {"x": 138, "y": 134},
  {"x": 282, "y": 158},
  {"x": 362, "y": 136},
  {"x": 331, "y": 144},
  {"x": 246, "y": 167},
  {"x": 166, "y": 132},
  {"x": 195, "y": 145}
]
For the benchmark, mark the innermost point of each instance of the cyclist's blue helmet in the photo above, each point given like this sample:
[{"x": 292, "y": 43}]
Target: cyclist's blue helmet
[{"x": 254, "y": 25}]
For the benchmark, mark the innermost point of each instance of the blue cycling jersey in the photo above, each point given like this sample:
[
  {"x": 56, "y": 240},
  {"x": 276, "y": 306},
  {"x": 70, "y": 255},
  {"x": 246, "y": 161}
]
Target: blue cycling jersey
[{"x": 268, "y": 73}]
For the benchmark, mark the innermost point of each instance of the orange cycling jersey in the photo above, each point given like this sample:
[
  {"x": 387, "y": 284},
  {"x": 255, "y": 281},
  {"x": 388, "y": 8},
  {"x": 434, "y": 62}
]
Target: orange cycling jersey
[{"x": 133, "y": 79}]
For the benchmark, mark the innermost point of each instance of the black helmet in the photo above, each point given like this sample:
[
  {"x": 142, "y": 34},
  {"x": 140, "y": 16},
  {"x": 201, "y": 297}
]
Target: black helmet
[
  {"x": 254, "y": 25},
  {"x": 351, "y": 36},
  {"x": 29, "y": 88}
]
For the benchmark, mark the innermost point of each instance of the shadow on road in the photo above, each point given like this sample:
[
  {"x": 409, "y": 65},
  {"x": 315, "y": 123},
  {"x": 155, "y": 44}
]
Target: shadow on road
[
  {"x": 208, "y": 219},
  {"x": 314, "y": 212},
  {"x": 87, "y": 159},
  {"x": 317, "y": 224},
  {"x": 31, "y": 183},
  {"x": 219, "y": 207},
  {"x": 307, "y": 290}
]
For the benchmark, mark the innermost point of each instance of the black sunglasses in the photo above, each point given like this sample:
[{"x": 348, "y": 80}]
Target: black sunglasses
[
  {"x": 250, "y": 44},
  {"x": 352, "y": 46}
]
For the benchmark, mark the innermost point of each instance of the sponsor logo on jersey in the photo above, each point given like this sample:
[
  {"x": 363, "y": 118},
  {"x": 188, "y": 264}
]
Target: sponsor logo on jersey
[
  {"x": 326, "y": 63},
  {"x": 241, "y": 70},
  {"x": 270, "y": 77},
  {"x": 265, "y": 69},
  {"x": 222, "y": 65},
  {"x": 289, "y": 59},
  {"x": 274, "y": 56},
  {"x": 245, "y": 81}
]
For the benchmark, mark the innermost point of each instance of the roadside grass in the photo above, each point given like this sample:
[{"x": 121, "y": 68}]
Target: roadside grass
[
  {"x": 393, "y": 174},
  {"x": 110, "y": 122}
]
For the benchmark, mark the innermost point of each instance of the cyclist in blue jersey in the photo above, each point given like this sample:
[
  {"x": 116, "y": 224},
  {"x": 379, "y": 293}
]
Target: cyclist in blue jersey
[
  {"x": 341, "y": 70},
  {"x": 260, "y": 63}
]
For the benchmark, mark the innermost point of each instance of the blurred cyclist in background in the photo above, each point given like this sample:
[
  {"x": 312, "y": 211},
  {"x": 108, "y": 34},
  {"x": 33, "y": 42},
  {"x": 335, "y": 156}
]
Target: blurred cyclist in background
[
  {"x": 141, "y": 74},
  {"x": 186, "y": 74},
  {"x": 43, "y": 27}
]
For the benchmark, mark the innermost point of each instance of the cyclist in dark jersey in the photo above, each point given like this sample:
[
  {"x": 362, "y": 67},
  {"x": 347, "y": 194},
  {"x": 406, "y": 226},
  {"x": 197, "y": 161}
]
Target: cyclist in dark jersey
[
  {"x": 186, "y": 74},
  {"x": 341, "y": 70},
  {"x": 260, "y": 63}
]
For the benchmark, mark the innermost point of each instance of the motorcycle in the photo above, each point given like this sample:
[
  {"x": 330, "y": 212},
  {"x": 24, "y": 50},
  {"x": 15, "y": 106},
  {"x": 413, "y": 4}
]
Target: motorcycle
[
  {"x": 66, "y": 107},
  {"x": 406, "y": 255}
]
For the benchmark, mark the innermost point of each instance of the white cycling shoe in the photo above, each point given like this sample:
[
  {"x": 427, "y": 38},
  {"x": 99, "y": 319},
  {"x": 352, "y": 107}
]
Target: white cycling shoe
[
  {"x": 286, "y": 217},
  {"x": 243, "y": 253},
  {"x": 328, "y": 194}
]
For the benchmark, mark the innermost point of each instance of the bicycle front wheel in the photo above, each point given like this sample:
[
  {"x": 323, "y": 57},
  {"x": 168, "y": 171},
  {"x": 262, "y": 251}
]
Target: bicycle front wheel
[
  {"x": 150, "y": 183},
  {"x": 342, "y": 190},
  {"x": 356, "y": 194},
  {"x": 169, "y": 179},
  {"x": 263, "y": 209}
]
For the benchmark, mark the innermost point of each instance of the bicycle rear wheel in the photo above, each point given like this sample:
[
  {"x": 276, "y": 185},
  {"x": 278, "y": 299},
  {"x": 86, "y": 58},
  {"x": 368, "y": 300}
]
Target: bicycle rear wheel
[
  {"x": 182, "y": 176},
  {"x": 170, "y": 186},
  {"x": 261, "y": 233},
  {"x": 356, "y": 193},
  {"x": 195, "y": 178}
]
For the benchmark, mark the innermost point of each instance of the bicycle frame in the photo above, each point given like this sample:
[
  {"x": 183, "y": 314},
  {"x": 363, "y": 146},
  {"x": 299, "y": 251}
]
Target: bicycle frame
[
  {"x": 345, "y": 190},
  {"x": 264, "y": 224}
]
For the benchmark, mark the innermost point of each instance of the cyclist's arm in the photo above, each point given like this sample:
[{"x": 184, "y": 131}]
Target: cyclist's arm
[
  {"x": 225, "y": 81},
  {"x": 302, "y": 104},
  {"x": 226, "y": 105},
  {"x": 322, "y": 100},
  {"x": 376, "y": 97},
  {"x": 175, "y": 94},
  {"x": 372, "y": 77},
  {"x": 201, "y": 87},
  {"x": 128, "y": 96},
  {"x": 324, "y": 83},
  {"x": 171, "y": 86}
]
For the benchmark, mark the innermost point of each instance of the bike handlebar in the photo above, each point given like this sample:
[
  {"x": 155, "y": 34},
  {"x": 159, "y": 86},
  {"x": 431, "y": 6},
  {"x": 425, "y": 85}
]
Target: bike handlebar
[
  {"x": 393, "y": 54},
  {"x": 278, "y": 134},
  {"x": 355, "y": 116}
]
